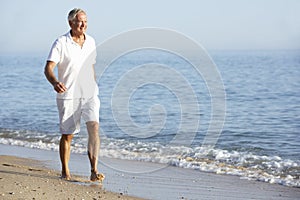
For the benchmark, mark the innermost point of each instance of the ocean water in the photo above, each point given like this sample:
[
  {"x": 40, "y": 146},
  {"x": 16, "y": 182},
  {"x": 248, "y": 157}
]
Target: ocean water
[{"x": 260, "y": 139}]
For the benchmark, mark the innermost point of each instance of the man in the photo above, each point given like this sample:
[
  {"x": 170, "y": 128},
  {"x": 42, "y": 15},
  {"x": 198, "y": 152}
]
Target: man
[{"x": 74, "y": 54}]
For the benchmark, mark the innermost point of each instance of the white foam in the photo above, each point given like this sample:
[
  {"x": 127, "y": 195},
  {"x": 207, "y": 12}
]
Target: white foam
[{"x": 272, "y": 169}]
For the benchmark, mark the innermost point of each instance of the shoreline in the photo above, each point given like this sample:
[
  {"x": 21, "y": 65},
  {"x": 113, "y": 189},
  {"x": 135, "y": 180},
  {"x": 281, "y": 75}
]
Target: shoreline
[{"x": 138, "y": 179}]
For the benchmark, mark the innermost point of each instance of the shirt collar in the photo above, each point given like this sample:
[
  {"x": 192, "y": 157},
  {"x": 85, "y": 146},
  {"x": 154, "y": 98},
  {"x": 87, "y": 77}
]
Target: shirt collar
[{"x": 69, "y": 38}]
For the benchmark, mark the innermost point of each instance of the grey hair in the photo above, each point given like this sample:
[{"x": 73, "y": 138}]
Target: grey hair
[{"x": 73, "y": 13}]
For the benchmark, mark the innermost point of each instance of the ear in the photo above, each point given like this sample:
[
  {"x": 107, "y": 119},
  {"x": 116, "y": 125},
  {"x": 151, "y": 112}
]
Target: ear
[{"x": 70, "y": 23}]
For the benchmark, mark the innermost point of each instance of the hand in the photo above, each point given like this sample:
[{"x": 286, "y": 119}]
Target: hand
[{"x": 59, "y": 87}]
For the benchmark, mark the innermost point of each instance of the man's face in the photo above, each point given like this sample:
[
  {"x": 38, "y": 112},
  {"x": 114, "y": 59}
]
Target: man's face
[{"x": 79, "y": 25}]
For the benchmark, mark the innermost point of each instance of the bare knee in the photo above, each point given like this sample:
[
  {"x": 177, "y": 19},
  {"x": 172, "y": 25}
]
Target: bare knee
[
  {"x": 92, "y": 126},
  {"x": 67, "y": 137}
]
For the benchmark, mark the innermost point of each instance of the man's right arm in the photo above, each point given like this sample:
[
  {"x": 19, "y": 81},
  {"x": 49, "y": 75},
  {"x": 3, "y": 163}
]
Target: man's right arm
[{"x": 49, "y": 73}]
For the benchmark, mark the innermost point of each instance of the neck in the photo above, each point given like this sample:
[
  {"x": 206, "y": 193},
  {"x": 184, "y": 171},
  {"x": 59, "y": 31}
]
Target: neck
[{"x": 77, "y": 35}]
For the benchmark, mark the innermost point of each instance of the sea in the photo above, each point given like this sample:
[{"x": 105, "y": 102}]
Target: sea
[{"x": 259, "y": 137}]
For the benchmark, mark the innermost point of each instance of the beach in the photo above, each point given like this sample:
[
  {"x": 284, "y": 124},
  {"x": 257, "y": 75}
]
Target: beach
[
  {"x": 34, "y": 174},
  {"x": 255, "y": 157},
  {"x": 185, "y": 112},
  {"x": 25, "y": 179}
]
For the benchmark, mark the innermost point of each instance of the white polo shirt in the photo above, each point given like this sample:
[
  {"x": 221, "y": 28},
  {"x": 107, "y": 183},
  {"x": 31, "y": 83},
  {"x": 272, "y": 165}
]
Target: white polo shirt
[{"x": 75, "y": 66}]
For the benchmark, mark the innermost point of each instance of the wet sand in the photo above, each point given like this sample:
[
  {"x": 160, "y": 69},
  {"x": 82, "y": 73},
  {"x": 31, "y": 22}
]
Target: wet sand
[{"x": 38, "y": 175}]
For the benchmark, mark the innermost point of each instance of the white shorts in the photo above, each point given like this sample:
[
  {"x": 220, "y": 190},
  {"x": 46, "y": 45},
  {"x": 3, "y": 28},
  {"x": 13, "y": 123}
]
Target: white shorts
[{"x": 71, "y": 110}]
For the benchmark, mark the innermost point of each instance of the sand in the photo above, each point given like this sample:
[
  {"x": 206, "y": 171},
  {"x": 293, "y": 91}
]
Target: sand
[
  {"x": 124, "y": 178},
  {"x": 22, "y": 178}
]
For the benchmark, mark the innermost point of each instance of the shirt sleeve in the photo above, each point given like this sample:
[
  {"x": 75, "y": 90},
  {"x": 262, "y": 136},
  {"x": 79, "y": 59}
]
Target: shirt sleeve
[{"x": 55, "y": 52}]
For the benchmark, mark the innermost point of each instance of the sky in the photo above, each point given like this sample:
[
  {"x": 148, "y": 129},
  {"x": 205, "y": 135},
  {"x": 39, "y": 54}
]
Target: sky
[{"x": 32, "y": 26}]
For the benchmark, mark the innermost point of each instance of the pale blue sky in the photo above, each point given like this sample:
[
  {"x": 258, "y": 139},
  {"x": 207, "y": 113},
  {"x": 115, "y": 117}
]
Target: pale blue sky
[{"x": 32, "y": 25}]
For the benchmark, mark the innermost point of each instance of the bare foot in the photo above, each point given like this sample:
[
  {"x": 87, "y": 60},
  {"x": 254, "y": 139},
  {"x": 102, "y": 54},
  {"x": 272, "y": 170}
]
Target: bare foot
[
  {"x": 97, "y": 177},
  {"x": 66, "y": 177}
]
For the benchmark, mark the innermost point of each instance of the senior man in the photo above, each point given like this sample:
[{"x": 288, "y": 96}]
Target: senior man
[{"x": 74, "y": 54}]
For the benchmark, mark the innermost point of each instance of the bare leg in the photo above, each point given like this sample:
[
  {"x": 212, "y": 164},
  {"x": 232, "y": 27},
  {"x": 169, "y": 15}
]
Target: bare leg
[
  {"x": 93, "y": 149},
  {"x": 64, "y": 152}
]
